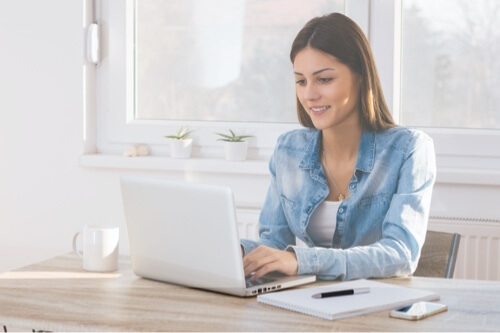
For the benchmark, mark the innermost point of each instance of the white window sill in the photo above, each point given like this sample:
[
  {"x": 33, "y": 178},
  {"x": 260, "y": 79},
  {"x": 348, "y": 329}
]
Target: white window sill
[
  {"x": 163, "y": 163},
  {"x": 445, "y": 175},
  {"x": 468, "y": 176}
]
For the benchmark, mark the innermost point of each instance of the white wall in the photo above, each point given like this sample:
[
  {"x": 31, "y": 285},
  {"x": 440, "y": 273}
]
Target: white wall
[{"x": 44, "y": 195}]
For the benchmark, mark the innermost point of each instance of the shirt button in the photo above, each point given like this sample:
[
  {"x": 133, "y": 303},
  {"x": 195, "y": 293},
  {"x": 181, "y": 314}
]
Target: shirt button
[{"x": 341, "y": 210}]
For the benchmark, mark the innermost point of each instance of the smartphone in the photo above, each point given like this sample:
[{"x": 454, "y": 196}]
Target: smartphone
[{"x": 418, "y": 311}]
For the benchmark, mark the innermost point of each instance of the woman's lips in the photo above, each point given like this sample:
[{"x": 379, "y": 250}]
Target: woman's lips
[{"x": 317, "y": 110}]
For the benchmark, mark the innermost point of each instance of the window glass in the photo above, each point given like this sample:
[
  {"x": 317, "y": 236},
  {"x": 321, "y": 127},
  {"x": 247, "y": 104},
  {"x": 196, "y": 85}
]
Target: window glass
[
  {"x": 224, "y": 60},
  {"x": 450, "y": 64}
]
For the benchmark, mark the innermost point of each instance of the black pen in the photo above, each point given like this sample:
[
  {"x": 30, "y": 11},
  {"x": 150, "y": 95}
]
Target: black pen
[{"x": 344, "y": 292}]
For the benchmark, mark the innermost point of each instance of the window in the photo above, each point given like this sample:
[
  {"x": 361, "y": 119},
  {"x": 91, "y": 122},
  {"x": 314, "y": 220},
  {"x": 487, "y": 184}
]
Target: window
[
  {"x": 450, "y": 67},
  {"x": 441, "y": 82},
  {"x": 172, "y": 63},
  {"x": 195, "y": 61},
  {"x": 466, "y": 151}
]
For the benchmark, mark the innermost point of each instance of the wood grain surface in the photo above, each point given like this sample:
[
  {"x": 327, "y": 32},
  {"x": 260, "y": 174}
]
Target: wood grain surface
[{"x": 58, "y": 295}]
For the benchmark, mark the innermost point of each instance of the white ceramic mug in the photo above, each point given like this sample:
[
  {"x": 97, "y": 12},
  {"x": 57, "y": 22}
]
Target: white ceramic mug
[{"x": 100, "y": 248}]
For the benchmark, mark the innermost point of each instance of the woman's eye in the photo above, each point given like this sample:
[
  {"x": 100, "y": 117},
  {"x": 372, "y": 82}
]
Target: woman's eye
[
  {"x": 300, "y": 82},
  {"x": 325, "y": 79}
]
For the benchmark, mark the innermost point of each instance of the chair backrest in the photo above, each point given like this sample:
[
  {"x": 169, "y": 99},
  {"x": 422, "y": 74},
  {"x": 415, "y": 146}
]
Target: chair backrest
[{"x": 439, "y": 255}]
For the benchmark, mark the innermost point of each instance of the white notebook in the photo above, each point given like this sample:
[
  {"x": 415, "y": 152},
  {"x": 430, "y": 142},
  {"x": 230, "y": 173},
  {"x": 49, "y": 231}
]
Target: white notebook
[{"x": 381, "y": 296}]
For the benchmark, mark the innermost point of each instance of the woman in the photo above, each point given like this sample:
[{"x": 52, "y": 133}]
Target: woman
[{"x": 353, "y": 186}]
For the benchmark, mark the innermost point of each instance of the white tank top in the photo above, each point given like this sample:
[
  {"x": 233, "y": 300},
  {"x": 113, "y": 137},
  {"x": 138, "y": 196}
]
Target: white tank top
[{"x": 322, "y": 224}]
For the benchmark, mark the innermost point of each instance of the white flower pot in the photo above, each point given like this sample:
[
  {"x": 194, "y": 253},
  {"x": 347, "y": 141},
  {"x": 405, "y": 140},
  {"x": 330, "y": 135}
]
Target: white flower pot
[
  {"x": 236, "y": 151},
  {"x": 181, "y": 148}
]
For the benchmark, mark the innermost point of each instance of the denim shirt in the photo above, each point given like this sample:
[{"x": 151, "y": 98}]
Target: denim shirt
[{"x": 380, "y": 228}]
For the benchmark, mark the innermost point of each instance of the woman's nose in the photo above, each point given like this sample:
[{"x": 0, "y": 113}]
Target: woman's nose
[{"x": 310, "y": 93}]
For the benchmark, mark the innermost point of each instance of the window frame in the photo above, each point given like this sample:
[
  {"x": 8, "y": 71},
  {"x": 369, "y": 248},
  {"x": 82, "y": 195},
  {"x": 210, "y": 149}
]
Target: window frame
[
  {"x": 456, "y": 149},
  {"x": 116, "y": 112}
]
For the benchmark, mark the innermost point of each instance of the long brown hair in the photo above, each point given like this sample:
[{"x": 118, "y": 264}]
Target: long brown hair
[{"x": 341, "y": 37}]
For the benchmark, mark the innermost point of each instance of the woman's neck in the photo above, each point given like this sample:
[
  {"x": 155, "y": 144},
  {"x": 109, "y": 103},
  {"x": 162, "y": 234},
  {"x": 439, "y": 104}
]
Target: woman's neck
[{"x": 342, "y": 142}]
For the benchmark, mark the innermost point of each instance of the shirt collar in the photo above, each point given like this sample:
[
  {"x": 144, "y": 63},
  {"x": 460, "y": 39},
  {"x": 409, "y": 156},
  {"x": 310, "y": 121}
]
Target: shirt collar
[
  {"x": 366, "y": 153},
  {"x": 310, "y": 160}
]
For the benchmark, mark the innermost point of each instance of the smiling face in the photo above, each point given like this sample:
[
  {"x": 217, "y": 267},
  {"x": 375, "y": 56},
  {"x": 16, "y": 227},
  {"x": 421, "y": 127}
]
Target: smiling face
[{"x": 327, "y": 89}]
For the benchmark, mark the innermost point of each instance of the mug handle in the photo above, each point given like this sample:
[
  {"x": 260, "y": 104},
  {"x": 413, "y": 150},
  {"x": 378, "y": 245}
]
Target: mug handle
[{"x": 75, "y": 250}]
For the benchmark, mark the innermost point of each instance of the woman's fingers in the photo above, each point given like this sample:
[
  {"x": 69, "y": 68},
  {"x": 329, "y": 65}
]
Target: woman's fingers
[
  {"x": 265, "y": 259},
  {"x": 256, "y": 260}
]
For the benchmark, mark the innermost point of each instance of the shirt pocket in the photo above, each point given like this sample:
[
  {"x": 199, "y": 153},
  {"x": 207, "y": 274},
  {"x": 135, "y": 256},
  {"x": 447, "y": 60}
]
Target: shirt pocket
[{"x": 379, "y": 199}]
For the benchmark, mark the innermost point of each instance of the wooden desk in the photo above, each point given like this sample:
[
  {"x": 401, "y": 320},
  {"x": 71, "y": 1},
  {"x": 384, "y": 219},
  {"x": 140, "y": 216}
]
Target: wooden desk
[{"x": 57, "y": 295}]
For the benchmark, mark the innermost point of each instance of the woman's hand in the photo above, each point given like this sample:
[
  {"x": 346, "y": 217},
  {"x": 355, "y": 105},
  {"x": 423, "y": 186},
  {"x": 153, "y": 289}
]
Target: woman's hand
[{"x": 264, "y": 259}]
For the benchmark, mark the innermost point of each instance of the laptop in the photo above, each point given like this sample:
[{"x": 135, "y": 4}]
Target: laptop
[{"x": 186, "y": 233}]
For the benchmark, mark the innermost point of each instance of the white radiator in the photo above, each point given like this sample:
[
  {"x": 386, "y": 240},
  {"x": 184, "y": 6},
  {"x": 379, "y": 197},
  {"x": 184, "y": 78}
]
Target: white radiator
[
  {"x": 479, "y": 250},
  {"x": 478, "y": 254},
  {"x": 248, "y": 223}
]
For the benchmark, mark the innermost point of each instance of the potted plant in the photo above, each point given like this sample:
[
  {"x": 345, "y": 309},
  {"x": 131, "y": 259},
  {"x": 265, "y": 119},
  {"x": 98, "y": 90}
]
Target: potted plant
[
  {"x": 235, "y": 146},
  {"x": 180, "y": 143}
]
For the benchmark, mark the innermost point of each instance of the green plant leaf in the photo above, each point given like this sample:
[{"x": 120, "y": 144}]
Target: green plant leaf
[
  {"x": 233, "y": 137},
  {"x": 182, "y": 134}
]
